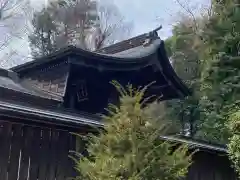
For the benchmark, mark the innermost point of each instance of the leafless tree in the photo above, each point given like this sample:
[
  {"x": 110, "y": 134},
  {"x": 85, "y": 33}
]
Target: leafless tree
[
  {"x": 13, "y": 26},
  {"x": 59, "y": 24},
  {"x": 194, "y": 14},
  {"x": 12, "y": 16},
  {"x": 189, "y": 13},
  {"x": 71, "y": 19},
  {"x": 7, "y": 7},
  {"x": 91, "y": 24},
  {"x": 112, "y": 26},
  {"x": 87, "y": 24}
]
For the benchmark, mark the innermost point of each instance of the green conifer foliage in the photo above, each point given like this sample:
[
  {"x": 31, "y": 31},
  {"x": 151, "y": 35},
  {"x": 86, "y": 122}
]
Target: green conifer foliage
[
  {"x": 234, "y": 144},
  {"x": 129, "y": 148},
  {"x": 221, "y": 75}
]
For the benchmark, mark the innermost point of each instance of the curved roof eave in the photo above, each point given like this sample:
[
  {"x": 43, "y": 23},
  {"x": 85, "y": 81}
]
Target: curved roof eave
[
  {"x": 170, "y": 72},
  {"x": 133, "y": 57}
]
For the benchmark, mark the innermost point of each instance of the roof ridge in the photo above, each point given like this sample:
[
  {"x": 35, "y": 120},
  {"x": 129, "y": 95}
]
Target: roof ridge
[{"x": 130, "y": 43}]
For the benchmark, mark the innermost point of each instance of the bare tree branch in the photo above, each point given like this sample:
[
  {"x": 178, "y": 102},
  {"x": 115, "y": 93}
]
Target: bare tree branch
[
  {"x": 82, "y": 23},
  {"x": 112, "y": 26},
  {"x": 13, "y": 26},
  {"x": 189, "y": 11}
]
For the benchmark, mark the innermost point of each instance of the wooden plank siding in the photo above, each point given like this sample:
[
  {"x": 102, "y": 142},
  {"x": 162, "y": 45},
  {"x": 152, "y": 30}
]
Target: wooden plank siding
[
  {"x": 210, "y": 166},
  {"x": 35, "y": 153}
]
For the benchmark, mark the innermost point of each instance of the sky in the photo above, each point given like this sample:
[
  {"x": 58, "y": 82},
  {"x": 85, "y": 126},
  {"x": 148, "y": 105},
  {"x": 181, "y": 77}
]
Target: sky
[
  {"x": 145, "y": 15},
  {"x": 149, "y": 14}
]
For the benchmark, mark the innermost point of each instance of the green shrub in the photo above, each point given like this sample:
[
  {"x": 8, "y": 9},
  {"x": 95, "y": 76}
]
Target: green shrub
[
  {"x": 129, "y": 147},
  {"x": 234, "y": 143}
]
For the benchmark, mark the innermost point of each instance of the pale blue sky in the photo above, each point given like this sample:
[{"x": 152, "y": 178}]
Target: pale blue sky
[{"x": 146, "y": 15}]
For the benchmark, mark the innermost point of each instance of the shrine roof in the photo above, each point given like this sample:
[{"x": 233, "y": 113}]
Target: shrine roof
[
  {"x": 10, "y": 83},
  {"x": 132, "y": 54},
  {"x": 138, "y": 51},
  {"x": 133, "y": 50}
]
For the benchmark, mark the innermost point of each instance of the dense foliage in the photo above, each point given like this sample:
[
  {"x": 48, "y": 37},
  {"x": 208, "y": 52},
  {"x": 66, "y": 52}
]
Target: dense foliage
[
  {"x": 221, "y": 75},
  {"x": 205, "y": 53},
  {"x": 213, "y": 46},
  {"x": 184, "y": 51},
  {"x": 234, "y": 148},
  {"x": 130, "y": 147}
]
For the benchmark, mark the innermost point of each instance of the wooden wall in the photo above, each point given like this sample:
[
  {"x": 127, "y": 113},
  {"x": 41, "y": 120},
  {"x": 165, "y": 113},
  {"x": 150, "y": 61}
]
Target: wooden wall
[
  {"x": 210, "y": 166},
  {"x": 35, "y": 153}
]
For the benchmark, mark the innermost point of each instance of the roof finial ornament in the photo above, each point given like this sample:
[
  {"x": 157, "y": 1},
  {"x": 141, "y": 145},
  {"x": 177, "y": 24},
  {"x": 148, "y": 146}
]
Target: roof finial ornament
[
  {"x": 154, "y": 33},
  {"x": 151, "y": 36},
  {"x": 158, "y": 28}
]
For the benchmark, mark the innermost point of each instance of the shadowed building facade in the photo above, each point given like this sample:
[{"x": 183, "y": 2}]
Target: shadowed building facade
[{"x": 43, "y": 101}]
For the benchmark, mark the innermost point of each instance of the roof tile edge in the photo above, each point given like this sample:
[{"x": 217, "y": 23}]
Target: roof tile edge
[{"x": 9, "y": 74}]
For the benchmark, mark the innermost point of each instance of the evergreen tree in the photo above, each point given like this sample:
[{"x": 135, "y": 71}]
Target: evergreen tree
[
  {"x": 183, "y": 48},
  {"x": 221, "y": 75},
  {"x": 213, "y": 54},
  {"x": 233, "y": 146},
  {"x": 129, "y": 147}
]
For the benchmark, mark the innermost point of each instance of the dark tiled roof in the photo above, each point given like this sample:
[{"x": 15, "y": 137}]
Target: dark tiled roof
[
  {"x": 147, "y": 50},
  {"x": 139, "y": 51},
  {"x": 46, "y": 116},
  {"x": 197, "y": 144},
  {"x": 8, "y": 83},
  {"x": 129, "y": 43},
  {"x": 132, "y": 54},
  {"x": 9, "y": 80},
  {"x": 118, "y": 51}
]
